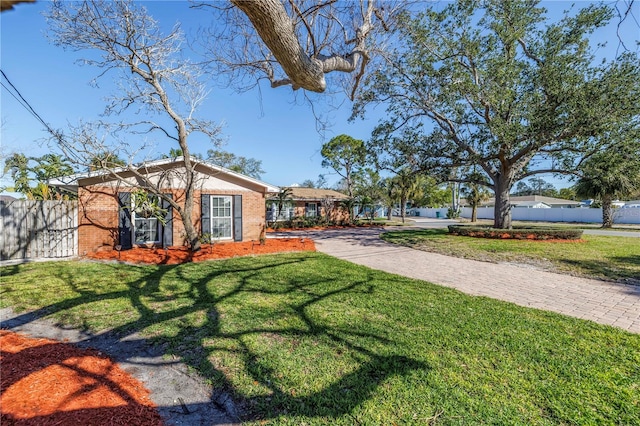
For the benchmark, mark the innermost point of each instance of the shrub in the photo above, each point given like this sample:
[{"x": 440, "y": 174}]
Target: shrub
[
  {"x": 452, "y": 213},
  {"x": 516, "y": 233}
]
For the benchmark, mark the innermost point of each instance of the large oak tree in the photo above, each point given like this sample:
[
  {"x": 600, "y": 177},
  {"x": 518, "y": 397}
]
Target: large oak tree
[{"x": 496, "y": 85}]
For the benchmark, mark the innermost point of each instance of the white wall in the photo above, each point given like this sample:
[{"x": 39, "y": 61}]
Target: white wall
[{"x": 624, "y": 216}]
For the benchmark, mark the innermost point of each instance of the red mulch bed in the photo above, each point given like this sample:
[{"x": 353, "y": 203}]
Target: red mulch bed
[
  {"x": 176, "y": 255},
  {"x": 45, "y": 382}
]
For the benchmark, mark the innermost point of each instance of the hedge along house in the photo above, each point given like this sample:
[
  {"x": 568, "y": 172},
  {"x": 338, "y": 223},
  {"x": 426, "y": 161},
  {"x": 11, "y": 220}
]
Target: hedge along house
[{"x": 228, "y": 206}]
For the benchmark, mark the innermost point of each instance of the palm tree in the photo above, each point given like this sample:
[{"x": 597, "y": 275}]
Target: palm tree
[
  {"x": 410, "y": 186},
  {"x": 283, "y": 197},
  {"x": 609, "y": 175},
  {"x": 475, "y": 195},
  {"x": 390, "y": 195}
]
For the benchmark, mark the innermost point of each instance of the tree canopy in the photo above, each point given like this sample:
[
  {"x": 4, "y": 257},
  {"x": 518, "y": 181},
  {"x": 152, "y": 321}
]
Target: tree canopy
[
  {"x": 346, "y": 155},
  {"x": 499, "y": 86},
  {"x": 31, "y": 174}
]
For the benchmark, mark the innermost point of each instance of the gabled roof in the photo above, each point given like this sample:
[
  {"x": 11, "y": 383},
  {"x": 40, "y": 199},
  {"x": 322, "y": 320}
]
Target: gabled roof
[
  {"x": 530, "y": 204},
  {"x": 71, "y": 183},
  {"x": 541, "y": 198},
  {"x": 315, "y": 194}
]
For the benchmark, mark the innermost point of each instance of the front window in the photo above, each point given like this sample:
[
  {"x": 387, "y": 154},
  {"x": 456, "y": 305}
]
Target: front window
[
  {"x": 221, "y": 217},
  {"x": 312, "y": 210},
  {"x": 146, "y": 225}
]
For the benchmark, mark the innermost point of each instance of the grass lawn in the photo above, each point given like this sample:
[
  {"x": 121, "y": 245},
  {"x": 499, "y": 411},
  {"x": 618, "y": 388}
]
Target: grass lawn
[
  {"x": 309, "y": 339},
  {"x": 614, "y": 258}
]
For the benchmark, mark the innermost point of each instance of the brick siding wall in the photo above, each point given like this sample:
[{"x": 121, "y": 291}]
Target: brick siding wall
[{"x": 98, "y": 216}]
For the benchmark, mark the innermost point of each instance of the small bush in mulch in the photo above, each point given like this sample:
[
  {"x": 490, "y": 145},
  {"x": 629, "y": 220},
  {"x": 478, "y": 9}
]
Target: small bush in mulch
[{"x": 516, "y": 233}]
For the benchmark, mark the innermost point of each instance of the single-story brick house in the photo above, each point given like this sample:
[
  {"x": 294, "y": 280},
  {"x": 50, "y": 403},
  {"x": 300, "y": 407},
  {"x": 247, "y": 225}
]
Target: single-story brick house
[
  {"x": 228, "y": 205},
  {"x": 308, "y": 202}
]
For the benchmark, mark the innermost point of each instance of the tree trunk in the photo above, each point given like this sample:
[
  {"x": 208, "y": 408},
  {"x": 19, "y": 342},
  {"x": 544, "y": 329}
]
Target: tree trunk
[
  {"x": 390, "y": 213},
  {"x": 474, "y": 213},
  {"x": 403, "y": 208},
  {"x": 502, "y": 208},
  {"x": 607, "y": 212},
  {"x": 191, "y": 232}
]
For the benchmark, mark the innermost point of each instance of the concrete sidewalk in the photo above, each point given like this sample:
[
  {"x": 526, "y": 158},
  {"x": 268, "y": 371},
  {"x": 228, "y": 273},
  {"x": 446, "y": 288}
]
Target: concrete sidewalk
[{"x": 599, "y": 301}]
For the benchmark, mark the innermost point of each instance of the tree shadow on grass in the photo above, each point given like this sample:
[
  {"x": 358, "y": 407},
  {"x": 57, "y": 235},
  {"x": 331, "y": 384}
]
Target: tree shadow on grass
[
  {"x": 618, "y": 268},
  {"x": 203, "y": 314}
]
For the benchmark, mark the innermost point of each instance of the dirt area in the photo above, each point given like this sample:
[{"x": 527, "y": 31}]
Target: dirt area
[
  {"x": 45, "y": 382},
  {"x": 176, "y": 255}
]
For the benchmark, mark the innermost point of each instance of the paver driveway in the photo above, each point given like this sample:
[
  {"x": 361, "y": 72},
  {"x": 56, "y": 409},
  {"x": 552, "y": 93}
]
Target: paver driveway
[{"x": 606, "y": 303}]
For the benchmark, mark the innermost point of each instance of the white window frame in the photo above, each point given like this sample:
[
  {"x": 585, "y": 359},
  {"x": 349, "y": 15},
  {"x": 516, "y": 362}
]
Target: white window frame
[
  {"x": 214, "y": 218},
  {"x": 311, "y": 212},
  {"x": 134, "y": 223}
]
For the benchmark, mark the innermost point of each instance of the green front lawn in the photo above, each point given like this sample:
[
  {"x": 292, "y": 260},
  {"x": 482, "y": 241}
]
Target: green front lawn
[
  {"x": 597, "y": 256},
  {"x": 310, "y": 339}
]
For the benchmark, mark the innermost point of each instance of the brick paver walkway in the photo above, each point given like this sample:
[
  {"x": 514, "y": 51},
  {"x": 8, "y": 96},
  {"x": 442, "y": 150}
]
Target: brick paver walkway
[{"x": 599, "y": 301}]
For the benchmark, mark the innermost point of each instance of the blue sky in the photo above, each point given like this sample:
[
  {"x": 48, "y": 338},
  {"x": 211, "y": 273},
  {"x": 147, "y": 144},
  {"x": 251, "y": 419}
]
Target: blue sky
[{"x": 268, "y": 124}]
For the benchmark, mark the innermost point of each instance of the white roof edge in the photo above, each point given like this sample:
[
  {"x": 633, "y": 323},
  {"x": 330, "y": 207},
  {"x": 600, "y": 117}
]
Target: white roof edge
[{"x": 72, "y": 180}]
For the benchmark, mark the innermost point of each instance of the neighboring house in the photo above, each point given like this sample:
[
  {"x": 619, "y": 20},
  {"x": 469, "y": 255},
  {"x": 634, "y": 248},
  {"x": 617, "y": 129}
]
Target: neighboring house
[
  {"x": 7, "y": 198},
  {"x": 536, "y": 201},
  {"x": 531, "y": 205},
  {"x": 228, "y": 205},
  {"x": 309, "y": 202}
]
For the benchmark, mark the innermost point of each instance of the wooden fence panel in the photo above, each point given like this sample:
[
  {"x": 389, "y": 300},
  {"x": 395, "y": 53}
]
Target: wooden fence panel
[{"x": 38, "y": 229}]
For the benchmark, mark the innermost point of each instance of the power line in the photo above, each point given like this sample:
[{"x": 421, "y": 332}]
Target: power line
[{"x": 26, "y": 105}]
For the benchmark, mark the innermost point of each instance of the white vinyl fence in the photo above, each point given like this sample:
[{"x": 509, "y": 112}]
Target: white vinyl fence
[
  {"x": 38, "y": 229},
  {"x": 582, "y": 215}
]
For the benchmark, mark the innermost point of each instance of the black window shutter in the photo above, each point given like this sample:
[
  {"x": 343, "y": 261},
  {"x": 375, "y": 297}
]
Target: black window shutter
[
  {"x": 205, "y": 213},
  {"x": 167, "y": 228},
  {"x": 237, "y": 217},
  {"x": 124, "y": 219}
]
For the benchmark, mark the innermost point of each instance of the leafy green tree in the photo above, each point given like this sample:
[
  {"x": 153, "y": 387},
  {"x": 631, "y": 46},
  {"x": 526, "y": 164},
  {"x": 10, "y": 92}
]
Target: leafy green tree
[
  {"x": 105, "y": 160},
  {"x": 346, "y": 155},
  {"x": 18, "y": 166},
  {"x": 368, "y": 191},
  {"x": 568, "y": 194},
  {"x": 475, "y": 195},
  {"x": 494, "y": 84},
  {"x": 535, "y": 186},
  {"x": 433, "y": 194},
  {"x": 51, "y": 166},
  {"x": 283, "y": 198},
  {"x": 245, "y": 165},
  {"x": 409, "y": 186},
  {"x": 31, "y": 174},
  {"x": 389, "y": 193},
  {"x": 611, "y": 174}
]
